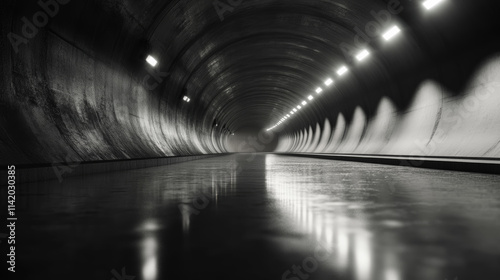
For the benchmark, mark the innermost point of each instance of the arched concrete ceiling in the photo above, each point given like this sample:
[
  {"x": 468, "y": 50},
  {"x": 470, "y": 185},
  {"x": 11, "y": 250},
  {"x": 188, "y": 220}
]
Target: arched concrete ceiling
[{"x": 265, "y": 56}]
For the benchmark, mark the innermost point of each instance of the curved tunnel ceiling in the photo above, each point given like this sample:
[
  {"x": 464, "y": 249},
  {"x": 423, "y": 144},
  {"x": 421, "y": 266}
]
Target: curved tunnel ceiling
[
  {"x": 265, "y": 57},
  {"x": 261, "y": 60}
]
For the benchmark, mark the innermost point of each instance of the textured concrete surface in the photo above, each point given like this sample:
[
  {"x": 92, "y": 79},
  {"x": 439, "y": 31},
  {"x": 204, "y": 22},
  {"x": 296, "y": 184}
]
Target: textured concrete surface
[
  {"x": 435, "y": 124},
  {"x": 256, "y": 217}
]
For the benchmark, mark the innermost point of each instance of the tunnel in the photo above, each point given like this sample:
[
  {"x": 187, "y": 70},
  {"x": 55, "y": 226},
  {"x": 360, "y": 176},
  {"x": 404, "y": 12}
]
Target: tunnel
[{"x": 250, "y": 139}]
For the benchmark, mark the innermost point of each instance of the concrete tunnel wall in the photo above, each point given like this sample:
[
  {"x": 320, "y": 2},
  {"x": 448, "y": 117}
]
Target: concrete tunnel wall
[
  {"x": 435, "y": 124},
  {"x": 72, "y": 96}
]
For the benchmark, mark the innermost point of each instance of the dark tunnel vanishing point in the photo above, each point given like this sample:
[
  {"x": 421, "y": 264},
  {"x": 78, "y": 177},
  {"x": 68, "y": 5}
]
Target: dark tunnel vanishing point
[{"x": 248, "y": 98}]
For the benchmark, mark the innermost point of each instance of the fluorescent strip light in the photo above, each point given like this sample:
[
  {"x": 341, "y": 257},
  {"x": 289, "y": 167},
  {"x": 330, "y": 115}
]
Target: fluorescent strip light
[
  {"x": 151, "y": 60},
  {"x": 304, "y": 103},
  {"x": 295, "y": 110},
  {"x": 310, "y": 97},
  {"x": 391, "y": 33},
  {"x": 429, "y": 4},
  {"x": 299, "y": 107},
  {"x": 362, "y": 55},
  {"x": 319, "y": 90},
  {"x": 342, "y": 70},
  {"x": 328, "y": 82}
]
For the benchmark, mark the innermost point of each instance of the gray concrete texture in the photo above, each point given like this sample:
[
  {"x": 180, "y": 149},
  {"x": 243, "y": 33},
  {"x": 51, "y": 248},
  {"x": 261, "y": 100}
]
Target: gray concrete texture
[{"x": 436, "y": 124}]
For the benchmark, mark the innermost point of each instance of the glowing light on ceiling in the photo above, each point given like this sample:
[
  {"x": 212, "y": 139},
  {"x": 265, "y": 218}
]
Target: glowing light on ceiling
[
  {"x": 391, "y": 33},
  {"x": 388, "y": 35},
  {"x": 362, "y": 55},
  {"x": 152, "y": 61},
  {"x": 429, "y": 4},
  {"x": 342, "y": 70}
]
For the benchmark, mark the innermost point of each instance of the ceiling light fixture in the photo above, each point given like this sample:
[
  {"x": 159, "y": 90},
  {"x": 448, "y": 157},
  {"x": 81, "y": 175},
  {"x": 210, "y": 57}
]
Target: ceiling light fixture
[
  {"x": 152, "y": 61},
  {"x": 362, "y": 55},
  {"x": 342, "y": 70},
  {"x": 429, "y": 4},
  {"x": 391, "y": 33}
]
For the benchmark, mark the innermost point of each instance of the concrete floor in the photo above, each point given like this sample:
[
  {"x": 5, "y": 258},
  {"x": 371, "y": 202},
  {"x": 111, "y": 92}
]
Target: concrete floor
[{"x": 262, "y": 217}]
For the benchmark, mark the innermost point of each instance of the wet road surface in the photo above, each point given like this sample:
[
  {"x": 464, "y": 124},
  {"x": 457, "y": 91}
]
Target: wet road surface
[{"x": 261, "y": 217}]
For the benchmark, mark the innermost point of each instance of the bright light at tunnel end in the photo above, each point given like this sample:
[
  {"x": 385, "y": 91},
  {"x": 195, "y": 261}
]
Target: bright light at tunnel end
[
  {"x": 391, "y": 33},
  {"x": 151, "y": 60},
  {"x": 429, "y": 4}
]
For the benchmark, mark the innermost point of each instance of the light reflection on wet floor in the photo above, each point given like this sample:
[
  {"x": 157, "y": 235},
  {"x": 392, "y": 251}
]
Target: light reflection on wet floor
[{"x": 262, "y": 217}]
